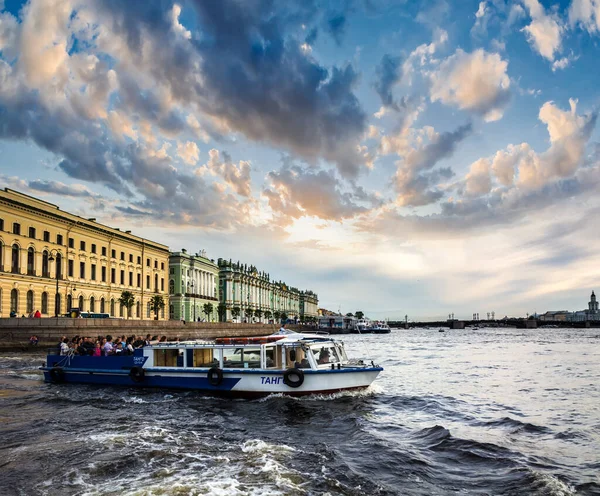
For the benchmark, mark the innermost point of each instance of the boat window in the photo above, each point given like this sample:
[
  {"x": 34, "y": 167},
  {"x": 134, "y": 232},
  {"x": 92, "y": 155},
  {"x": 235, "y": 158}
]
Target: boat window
[
  {"x": 272, "y": 358},
  {"x": 240, "y": 358},
  {"x": 166, "y": 358},
  {"x": 296, "y": 357},
  {"x": 325, "y": 354},
  {"x": 204, "y": 358}
]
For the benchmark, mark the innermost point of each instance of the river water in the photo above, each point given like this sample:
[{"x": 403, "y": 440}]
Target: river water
[{"x": 484, "y": 412}]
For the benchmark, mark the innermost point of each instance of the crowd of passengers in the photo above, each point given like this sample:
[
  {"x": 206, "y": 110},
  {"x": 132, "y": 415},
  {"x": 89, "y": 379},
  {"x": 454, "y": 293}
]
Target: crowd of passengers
[{"x": 106, "y": 345}]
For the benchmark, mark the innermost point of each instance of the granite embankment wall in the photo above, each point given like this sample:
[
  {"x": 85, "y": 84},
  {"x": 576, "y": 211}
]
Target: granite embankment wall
[{"x": 15, "y": 332}]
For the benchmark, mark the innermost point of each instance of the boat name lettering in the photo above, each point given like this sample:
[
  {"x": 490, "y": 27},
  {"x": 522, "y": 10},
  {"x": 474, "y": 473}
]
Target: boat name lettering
[
  {"x": 139, "y": 361},
  {"x": 271, "y": 380}
]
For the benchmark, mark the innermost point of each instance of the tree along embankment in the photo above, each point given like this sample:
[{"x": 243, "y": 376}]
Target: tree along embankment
[{"x": 15, "y": 332}]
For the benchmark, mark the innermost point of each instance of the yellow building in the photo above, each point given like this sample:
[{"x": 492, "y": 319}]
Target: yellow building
[{"x": 53, "y": 261}]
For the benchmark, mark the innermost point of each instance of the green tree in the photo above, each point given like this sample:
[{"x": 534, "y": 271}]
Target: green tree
[
  {"x": 157, "y": 303},
  {"x": 222, "y": 311},
  {"x": 268, "y": 314},
  {"x": 258, "y": 313},
  {"x": 127, "y": 300},
  {"x": 359, "y": 315},
  {"x": 349, "y": 314},
  {"x": 235, "y": 312},
  {"x": 276, "y": 315},
  {"x": 249, "y": 314},
  {"x": 208, "y": 308},
  {"x": 283, "y": 316}
]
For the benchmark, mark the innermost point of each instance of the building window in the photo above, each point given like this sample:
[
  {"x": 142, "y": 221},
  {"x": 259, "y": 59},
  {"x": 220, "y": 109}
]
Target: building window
[
  {"x": 103, "y": 272},
  {"x": 45, "y": 264},
  {"x": 93, "y": 248},
  {"x": 58, "y": 274},
  {"x": 47, "y": 236},
  {"x": 69, "y": 303},
  {"x": 92, "y": 304},
  {"x": 148, "y": 262},
  {"x": 122, "y": 278},
  {"x": 82, "y": 270},
  {"x": 1, "y": 224},
  {"x": 156, "y": 264},
  {"x": 81, "y": 303},
  {"x": 139, "y": 280},
  {"x": 59, "y": 239},
  {"x": 30, "y": 257},
  {"x": 131, "y": 278},
  {"x": 137, "y": 310},
  {"x": 130, "y": 258},
  {"x": 121, "y": 310},
  {"x": 162, "y": 266},
  {"x": 45, "y": 303},
  {"x": 29, "y": 308},
  {"x": 32, "y": 232},
  {"x": 71, "y": 243},
  {"x": 57, "y": 305},
  {"x": 156, "y": 283},
  {"x": 162, "y": 284},
  {"x": 112, "y": 307},
  {"x": 148, "y": 310},
  {"x": 93, "y": 274},
  {"x": 14, "y": 301},
  {"x": 16, "y": 228},
  {"x": 171, "y": 286},
  {"x": 113, "y": 253},
  {"x": 82, "y": 245},
  {"x": 139, "y": 260},
  {"x": 102, "y": 310},
  {"x": 147, "y": 282},
  {"x": 171, "y": 312},
  {"x": 113, "y": 276},
  {"x": 104, "y": 251},
  {"x": 172, "y": 271},
  {"x": 122, "y": 255}
]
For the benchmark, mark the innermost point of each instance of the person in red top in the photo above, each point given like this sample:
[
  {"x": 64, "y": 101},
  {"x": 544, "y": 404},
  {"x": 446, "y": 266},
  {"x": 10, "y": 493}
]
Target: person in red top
[{"x": 37, "y": 315}]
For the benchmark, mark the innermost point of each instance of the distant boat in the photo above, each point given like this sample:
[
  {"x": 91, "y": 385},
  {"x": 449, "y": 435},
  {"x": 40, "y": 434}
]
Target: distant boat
[
  {"x": 381, "y": 328},
  {"x": 441, "y": 330}
]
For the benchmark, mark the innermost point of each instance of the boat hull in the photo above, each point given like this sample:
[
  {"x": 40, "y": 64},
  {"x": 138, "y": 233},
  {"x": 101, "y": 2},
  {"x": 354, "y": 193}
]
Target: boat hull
[{"x": 249, "y": 383}]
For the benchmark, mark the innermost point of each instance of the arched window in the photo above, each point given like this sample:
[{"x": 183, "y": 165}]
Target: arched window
[
  {"x": 45, "y": 264},
  {"x": 45, "y": 303},
  {"x": 57, "y": 305},
  {"x": 69, "y": 303},
  {"x": 102, "y": 310},
  {"x": 29, "y": 302},
  {"x": 92, "y": 304},
  {"x": 14, "y": 301},
  {"x": 138, "y": 310},
  {"x": 15, "y": 265},
  {"x": 81, "y": 303},
  {"x": 171, "y": 312},
  {"x": 59, "y": 266},
  {"x": 171, "y": 286},
  {"x": 121, "y": 310},
  {"x": 30, "y": 257},
  {"x": 112, "y": 307}
]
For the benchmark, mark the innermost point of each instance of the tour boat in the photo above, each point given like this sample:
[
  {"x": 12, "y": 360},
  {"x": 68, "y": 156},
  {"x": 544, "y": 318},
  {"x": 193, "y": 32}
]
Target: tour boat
[
  {"x": 292, "y": 364},
  {"x": 381, "y": 328}
]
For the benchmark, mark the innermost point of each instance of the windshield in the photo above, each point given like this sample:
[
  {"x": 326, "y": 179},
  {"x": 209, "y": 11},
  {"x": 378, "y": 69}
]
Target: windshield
[{"x": 325, "y": 354}]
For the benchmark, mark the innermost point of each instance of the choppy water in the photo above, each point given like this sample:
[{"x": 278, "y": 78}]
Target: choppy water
[{"x": 492, "y": 412}]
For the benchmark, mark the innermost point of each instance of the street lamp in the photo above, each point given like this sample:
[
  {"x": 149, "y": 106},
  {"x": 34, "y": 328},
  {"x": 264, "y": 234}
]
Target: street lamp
[{"x": 51, "y": 259}]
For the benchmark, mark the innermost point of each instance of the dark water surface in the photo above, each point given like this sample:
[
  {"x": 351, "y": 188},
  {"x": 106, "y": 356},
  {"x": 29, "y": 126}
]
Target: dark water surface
[{"x": 489, "y": 411}]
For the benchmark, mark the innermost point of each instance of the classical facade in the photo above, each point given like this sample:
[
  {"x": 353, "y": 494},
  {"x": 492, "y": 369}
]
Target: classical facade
[
  {"x": 193, "y": 283},
  {"x": 309, "y": 305},
  {"x": 52, "y": 261},
  {"x": 243, "y": 288}
]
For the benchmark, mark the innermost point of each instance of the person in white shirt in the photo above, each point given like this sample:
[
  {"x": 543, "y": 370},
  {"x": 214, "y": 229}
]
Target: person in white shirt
[{"x": 64, "y": 347}]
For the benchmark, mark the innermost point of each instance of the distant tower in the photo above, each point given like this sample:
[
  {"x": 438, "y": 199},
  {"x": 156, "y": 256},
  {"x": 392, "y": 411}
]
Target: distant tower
[{"x": 593, "y": 304}]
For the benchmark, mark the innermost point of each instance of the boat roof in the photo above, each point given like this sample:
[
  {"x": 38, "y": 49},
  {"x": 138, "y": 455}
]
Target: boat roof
[{"x": 289, "y": 338}]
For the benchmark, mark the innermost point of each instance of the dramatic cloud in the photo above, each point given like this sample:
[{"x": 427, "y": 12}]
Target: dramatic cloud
[
  {"x": 545, "y": 31},
  {"x": 475, "y": 82},
  {"x": 296, "y": 192},
  {"x": 188, "y": 152},
  {"x": 388, "y": 73},
  {"x": 236, "y": 176},
  {"x": 413, "y": 178},
  {"x": 586, "y": 13}
]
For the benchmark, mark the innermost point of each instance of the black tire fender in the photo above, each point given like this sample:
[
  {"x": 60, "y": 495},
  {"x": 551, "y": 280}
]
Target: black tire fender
[
  {"x": 215, "y": 376},
  {"x": 57, "y": 374},
  {"x": 293, "y": 377},
  {"x": 137, "y": 374}
]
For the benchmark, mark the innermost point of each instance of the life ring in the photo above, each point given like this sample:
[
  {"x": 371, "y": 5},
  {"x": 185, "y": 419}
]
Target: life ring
[
  {"x": 293, "y": 377},
  {"x": 215, "y": 376},
  {"x": 57, "y": 374},
  {"x": 137, "y": 374}
]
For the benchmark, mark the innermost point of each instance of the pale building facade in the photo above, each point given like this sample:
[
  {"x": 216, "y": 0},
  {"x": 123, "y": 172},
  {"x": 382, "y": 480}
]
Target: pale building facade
[
  {"x": 193, "y": 283},
  {"x": 53, "y": 261},
  {"x": 309, "y": 305},
  {"x": 245, "y": 288}
]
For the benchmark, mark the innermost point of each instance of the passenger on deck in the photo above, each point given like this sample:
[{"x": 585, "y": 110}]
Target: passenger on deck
[
  {"x": 108, "y": 346},
  {"x": 324, "y": 356},
  {"x": 97, "y": 350},
  {"x": 64, "y": 347}
]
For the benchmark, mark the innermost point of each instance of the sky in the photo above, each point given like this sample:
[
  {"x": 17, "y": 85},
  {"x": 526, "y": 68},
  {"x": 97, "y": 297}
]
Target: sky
[{"x": 396, "y": 157}]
